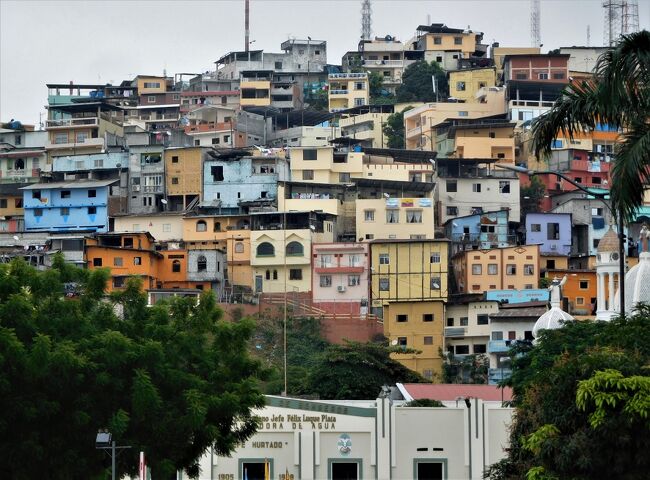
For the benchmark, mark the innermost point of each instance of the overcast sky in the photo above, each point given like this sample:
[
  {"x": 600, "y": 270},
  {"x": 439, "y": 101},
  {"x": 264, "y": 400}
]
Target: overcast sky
[{"x": 110, "y": 41}]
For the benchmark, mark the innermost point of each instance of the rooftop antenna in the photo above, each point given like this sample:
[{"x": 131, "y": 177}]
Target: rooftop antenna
[
  {"x": 247, "y": 32},
  {"x": 621, "y": 18},
  {"x": 535, "y": 21},
  {"x": 366, "y": 20},
  {"x": 428, "y": 19},
  {"x": 588, "y": 35}
]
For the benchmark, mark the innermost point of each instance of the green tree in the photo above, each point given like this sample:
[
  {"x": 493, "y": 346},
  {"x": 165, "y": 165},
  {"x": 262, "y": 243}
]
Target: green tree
[
  {"x": 417, "y": 85},
  {"x": 375, "y": 82},
  {"x": 358, "y": 371},
  {"x": 424, "y": 402},
  {"x": 531, "y": 195},
  {"x": 172, "y": 380},
  {"x": 468, "y": 369},
  {"x": 394, "y": 129},
  {"x": 617, "y": 96},
  {"x": 581, "y": 399}
]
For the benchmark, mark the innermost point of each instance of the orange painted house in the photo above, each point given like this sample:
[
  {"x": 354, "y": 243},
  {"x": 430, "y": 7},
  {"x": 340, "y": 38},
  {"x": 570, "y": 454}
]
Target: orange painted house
[{"x": 579, "y": 292}]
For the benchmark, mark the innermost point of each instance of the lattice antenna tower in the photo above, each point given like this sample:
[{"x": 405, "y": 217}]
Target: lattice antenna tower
[
  {"x": 366, "y": 20},
  {"x": 535, "y": 24},
  {"x": 621, "y": 18}
]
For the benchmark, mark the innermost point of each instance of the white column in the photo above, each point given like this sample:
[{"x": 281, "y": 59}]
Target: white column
[
  {"x": 610, "y": 306},
  {"x": 600, "y": 307}
]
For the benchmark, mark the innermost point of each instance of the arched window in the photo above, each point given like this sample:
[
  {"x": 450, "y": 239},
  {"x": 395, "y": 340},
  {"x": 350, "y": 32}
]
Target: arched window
[
  {"x": 268, "y": 275},
  {"x": 265, "y": 249},
  {"x": 239, "y": 247},
  {"x": 202, "y": 263},
  {"x": 201, "y": 226},
  {"x": 19, "y": 164},
  {"x": 295, "y": 248},
  {"x": 275, "y": 274},
  {"x": 176, "y": 266}
]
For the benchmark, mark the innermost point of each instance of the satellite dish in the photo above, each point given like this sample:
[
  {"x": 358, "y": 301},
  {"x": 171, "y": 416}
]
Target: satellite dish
[
  {"x": 394, "y": 342},
  {"x": 163, "y": 201}
]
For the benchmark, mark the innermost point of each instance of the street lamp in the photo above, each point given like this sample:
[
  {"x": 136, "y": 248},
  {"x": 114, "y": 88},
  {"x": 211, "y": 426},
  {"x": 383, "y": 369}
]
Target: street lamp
[
  {"x": 104, "y": 441},
  {"x": 600, "y": 196}
]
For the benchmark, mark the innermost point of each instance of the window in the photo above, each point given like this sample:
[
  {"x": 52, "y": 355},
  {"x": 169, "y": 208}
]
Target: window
[
  {"x": 450, "y": 322},
  {"x": 428, "y": 340},
  {"x": 128, "y": 241},
  {"x": 452, "y": 186},
  {"x": 60, "y": 138},
  {"x": 401, "y": 318},
  {"x": 521, "y": 76},
  {"x": 584, "y": 284},
  {"x": 81, "y": 137},
  {"x": 275, "y": 274},
  {"x": 265, "y": 249},
  {"x": 65, "y": 211},
  {"x": 216, "y": 227},
  {"x": 359, "y": 86},
  {"x": 369, "y": 215},
  {"x": 118, "y": 282},
  {"x": 535, "y": 227},
  {"x": 239, "y": 247},
  {"x": 3, "y": 203},
  {"x": 65, "y": 193},
  {"x": 511, "y": 269},
  {"x": 217, "y": 173},
  {"x": 307, "y": 174},
  {"x": 176, "y": 266},
  {"x": 452, "y": 211},
  {"x": 550, "y": 263},
  {"x": 175, "y": 159},
  {"x": 401, "y": 341},
  {"x": 344, "y": 177},
  {"x": 497, "y": 335},
  {"x": 384, "y": 259},
  {"x": 553, "y": 231},
  {"x": 201, "y": 226},
  {"x": 92, "y": 210},
  {"x": 493, "y": 269},
  {"x": 580, "y": 301},
  {"x": 464, "y": 321},
  {"x": 137, "y": 260},
  {"x": 504, "y": 186},
  {"x": 278, "y": 65},
  {"x": 439, "y": 59},
  {"x": 435, "y": 283},
  {"x": 477, "y": 269},
  {"x": 202, "y": 263},
  {"x": 117, "y": 261},
  {"x": 476, "y": 187},
  {"x": 151, "y": 99},
  {"x": 427, "y": 317},
  {"x": 97, "y": 262},
  {"x": 437, "y": 41},
  {"x": 480, "y": 348},
  {"x": 542, "y": 76},
  {"x": 310, "y": 154},
  {"x": 529, "y": 269},
  {"x": 512, "y": 335},
  {"x": 482, "y": 319},
  {"x": 392, "y": 216},
  {"x": 267, "y": 275},
  {"x": 460, "y": 86},
  {"x": 295, "y": 249},
  {"x": 458, "y": 40},
  {"x": 414, "y": 216},
  {"x": 597, "y": 212},
  {"x": 434, "y": 258},
  {"x": 354, "y": 280},
  {"x": 384, "y": 284},
  {"x": 558, "y": 76},
  {"x": 463, "y": 113},
  {"x": 295, "y": 274}
]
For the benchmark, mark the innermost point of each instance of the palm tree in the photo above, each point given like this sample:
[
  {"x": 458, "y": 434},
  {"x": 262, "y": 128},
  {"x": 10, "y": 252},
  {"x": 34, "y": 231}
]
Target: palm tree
[{"x": 617, "y": 95}]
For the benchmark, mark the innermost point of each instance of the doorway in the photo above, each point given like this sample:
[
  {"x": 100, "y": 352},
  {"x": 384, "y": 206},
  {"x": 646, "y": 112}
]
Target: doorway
[
  {"x": 429, "y": 470},
  {"x": 345, "y": 471}
]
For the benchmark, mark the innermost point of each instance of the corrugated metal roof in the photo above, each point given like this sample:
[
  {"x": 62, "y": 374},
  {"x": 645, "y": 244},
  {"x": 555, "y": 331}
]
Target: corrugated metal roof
[
  {"x": 450, "y": 392},
  {"x": 71, "y": 184}
]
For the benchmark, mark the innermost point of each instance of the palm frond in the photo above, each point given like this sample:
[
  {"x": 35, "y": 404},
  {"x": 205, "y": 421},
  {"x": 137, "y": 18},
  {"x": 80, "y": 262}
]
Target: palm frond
[{"x": 631, "y": 171}]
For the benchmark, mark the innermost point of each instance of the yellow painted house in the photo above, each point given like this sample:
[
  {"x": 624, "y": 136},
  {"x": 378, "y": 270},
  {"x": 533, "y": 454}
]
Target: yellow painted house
[
  {"x": 465, "y": 84},
  {"x": 184, "y": 176},
  {"x": 409, "y": 289}
]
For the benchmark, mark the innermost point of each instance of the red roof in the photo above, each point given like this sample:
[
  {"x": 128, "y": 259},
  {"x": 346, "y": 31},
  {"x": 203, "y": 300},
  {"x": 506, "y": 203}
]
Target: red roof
[{"x": 450, "y": 392}]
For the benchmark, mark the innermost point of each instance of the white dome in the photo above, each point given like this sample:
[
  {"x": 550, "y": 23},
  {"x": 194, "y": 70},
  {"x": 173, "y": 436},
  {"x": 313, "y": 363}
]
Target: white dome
[
  {"x": 637, "y": 284},
  {"x": 551, "y": 320}
]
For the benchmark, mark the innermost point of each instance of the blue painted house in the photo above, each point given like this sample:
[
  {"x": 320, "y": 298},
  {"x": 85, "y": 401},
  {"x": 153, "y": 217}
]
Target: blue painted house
[
  {"x": 480, "y": 231},
  {"x": 234, "y": 184},
  {"x": 78, "y": 205},
  {"x": 551, "y": 231}
]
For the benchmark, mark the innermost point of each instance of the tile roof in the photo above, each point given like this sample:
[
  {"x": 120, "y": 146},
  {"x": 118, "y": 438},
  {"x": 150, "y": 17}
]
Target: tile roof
[{"x": 450, "y": 392}]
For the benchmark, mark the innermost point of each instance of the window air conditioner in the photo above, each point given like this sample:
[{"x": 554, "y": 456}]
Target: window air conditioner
[{"x": 341, "y": 288}]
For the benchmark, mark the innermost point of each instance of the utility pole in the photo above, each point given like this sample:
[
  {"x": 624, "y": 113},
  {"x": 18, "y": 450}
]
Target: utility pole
[{"x": 247, "y": 31}]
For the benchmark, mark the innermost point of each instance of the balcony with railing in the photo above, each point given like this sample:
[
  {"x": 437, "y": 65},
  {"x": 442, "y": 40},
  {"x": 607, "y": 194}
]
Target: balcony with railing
[
  {"x": 83, "y": 143},
  {"x": 339, "y": 91},
  {"x": 455, "y": 331},
  {"x": 152, "y": 188},
  {"x": 498, "y": 346},
  {"x": 72, "y": 122},
  {"x": 101, "y": 161},
  {"x": 495, "y": 375}
]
